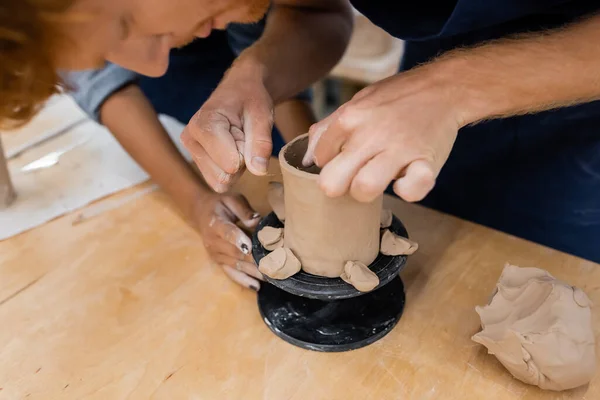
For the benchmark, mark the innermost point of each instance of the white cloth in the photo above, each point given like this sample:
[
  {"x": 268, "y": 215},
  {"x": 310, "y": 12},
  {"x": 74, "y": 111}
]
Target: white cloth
[{"x": 95, "y": 167}]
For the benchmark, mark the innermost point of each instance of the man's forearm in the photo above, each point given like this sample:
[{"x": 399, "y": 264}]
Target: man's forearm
[
  {"x": 132, "y": 120},
  {"x": 524, "y": 74},
  {"x": 302, "y": 41}
]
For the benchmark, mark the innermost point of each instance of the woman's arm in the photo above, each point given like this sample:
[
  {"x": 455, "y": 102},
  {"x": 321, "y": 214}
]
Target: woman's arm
[{"x": 134, "y": 123}]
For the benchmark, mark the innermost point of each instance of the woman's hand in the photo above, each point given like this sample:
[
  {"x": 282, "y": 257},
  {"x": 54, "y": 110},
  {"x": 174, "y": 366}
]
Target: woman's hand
[{"x": 216, "y": 217}]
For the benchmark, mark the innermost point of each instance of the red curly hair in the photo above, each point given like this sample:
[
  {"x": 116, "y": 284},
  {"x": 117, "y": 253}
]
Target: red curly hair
[{"x": 29, "y": 34}]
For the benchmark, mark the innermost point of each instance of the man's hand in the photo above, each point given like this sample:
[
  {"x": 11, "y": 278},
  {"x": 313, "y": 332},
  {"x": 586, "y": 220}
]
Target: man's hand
[
  {"x": 232, "y": 130},
  {"x": 216, "y": 217},
  {"x": 404, "y": 127},
  {"x": 400, "y": 128}
]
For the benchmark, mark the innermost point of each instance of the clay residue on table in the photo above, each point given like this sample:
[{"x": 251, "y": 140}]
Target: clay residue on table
[{"x": 540, "y": 329}]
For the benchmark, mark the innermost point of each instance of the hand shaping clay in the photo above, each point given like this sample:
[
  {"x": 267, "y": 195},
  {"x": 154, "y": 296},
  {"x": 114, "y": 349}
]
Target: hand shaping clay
[
  {"x": 279, "y": 264},
  {"x": 325, "y": 232},
  {"x": 540, "y": 329},
  {"x": 394, "y": 245},
  {"x": 275, "y": 199},
  {"x": 269, "y": 236},
  {"x": 386, "y": 218},
  {"x": 360, "y": 276}
]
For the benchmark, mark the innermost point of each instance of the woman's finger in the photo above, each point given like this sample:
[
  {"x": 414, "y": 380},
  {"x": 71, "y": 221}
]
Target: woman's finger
[
  {"x": 245, "y": 266},
  {"x": 243, "y": 211},
  {"x": 231, "y": 233},
  {"x": 241, "y": 278}
]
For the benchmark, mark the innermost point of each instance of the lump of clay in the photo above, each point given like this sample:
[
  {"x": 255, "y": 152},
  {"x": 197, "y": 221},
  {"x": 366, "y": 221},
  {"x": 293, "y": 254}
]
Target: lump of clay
[
  {"x": 394, "y": 245},
  {"x": 540, "y": 329},
  {"x": 386, "y": 218},
  {"x": 360, "y": 276},
  {"x": 279, "y": 264},
  {"x": 275, "y": 199},
  {"x": 271, "y": 238}
]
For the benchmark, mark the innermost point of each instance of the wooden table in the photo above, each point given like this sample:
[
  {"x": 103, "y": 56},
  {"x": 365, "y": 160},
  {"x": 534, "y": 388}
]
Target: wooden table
[{"x": 127, "y": 306}]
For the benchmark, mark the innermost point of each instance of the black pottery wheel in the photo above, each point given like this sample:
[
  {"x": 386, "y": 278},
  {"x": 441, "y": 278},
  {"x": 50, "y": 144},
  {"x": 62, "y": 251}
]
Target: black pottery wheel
[{"x": 328, "y": 314}]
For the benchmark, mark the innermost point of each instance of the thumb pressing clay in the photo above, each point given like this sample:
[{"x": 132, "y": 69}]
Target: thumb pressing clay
[
  {"x": 276, "y": 200},
  {"x": 540, "y": 329},
  {"x": 360, "y": 276},
  {"x": 279, "y": 264},
  {"x": 394, "y": 245}
]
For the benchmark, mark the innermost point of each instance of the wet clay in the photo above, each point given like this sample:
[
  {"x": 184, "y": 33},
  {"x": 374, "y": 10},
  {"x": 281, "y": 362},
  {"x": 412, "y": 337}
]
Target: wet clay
[
  {"x": 394, "y": 245},
  {"x": 386, "y": 218},
  {"x": 324, "y": 232},
  {"x": 540, "y": 329},
  {"x": 269, "y": 235},
  {"x": 279, "y": 264},
  {"x": 360, "y": 276},
  {"x": 271, "y": 238},
  {"x": 276, "y": 200}
]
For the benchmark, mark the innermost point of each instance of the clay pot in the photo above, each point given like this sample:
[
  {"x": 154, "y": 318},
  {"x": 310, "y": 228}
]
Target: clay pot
[{"x": 324, "y": 233}]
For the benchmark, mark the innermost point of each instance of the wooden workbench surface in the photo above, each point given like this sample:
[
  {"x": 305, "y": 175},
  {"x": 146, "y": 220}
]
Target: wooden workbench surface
[{"x": 127, "y": 306}]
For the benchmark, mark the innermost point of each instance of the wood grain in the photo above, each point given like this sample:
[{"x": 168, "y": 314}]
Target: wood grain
[{"x": 127, "y": 306}]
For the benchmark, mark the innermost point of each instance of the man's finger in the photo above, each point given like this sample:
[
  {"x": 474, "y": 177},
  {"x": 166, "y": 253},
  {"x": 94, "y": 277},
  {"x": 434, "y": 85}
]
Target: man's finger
[
  {"x": 375, "y": 176},
  {"x": 258, "y": 126},
  {"x": 332, "y": 141},
  {"x": 335, "y": 177},
  {"x": 228, "y": 231},
  {"x": 240, "y": 207},
  {"x": 314, "y": 135},
  {"x": 241, "y": 278},
  {"x": 212, "y": 130},
  {"x": 418, "y": 180}
]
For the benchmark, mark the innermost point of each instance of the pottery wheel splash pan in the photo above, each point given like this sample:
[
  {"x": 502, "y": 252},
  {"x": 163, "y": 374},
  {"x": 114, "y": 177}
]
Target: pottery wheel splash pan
[{"x": 322, "y": 288}]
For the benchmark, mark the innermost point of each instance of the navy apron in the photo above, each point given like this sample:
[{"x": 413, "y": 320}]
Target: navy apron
[{"x": 534, "y": 176}]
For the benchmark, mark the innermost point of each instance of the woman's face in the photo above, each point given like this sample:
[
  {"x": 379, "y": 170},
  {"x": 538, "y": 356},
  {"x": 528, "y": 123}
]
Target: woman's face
[{"x": 138, "y": 34}]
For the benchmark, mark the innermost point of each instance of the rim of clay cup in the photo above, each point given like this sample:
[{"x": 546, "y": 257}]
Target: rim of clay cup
[{"x": 284, "y": 164}]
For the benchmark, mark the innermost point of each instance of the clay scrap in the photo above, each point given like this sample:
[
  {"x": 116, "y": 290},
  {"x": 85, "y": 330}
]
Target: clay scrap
[
  {"x": 271, "y": 238},
  {"x": 394, "y": 245},
  {"x": 386, "y": 218},
  {"x": 279, "y": 264},
  {"x": 540, "y": 329},
  {"x": 360, "y": 276},
  {"x": 276, "y": 200}
]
